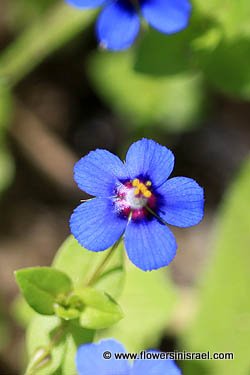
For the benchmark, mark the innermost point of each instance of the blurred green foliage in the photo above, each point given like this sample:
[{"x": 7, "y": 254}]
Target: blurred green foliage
[
  {"x": 4, "y": 337},
  {"x": 53, "y": 30},
  {"x": 223, "y": 320},
  {"x": 6, "y": 161},
  {"x": 172, "y": 102}
]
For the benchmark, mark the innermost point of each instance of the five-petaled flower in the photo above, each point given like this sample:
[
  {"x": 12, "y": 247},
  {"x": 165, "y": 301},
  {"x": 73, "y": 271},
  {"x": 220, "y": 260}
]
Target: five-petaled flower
[
  {"x": 135, "y": 199},
  {"x": 90, "y": 360},
  {"x": 119, "y": 22}
]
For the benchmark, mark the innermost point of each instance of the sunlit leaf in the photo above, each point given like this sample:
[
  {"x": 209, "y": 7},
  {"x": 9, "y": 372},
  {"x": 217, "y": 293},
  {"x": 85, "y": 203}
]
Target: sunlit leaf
[
  {"x": 100, "y": 310},
  {"x": 42, "y": 286}
]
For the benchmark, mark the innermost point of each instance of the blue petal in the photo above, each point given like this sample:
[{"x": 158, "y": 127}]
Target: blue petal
[
  {"x": 149, "y": 244},
  {"x": 183, "y": 203},
  {"x": 90, "y": 361},
  {"x": 148, "y": 158},
  {"x": 155, "y": 367},
  {"x": 118, "y": 25},
  {"x": 84, "y": 4},
  {"x": 95, "y": 224},
  {"x": 98, "y": 173},
  {"x": 167, "y": 16}
]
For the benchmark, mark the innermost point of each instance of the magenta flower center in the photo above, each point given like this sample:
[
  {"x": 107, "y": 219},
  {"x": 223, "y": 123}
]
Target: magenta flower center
[{"x": 135, "y": 199}]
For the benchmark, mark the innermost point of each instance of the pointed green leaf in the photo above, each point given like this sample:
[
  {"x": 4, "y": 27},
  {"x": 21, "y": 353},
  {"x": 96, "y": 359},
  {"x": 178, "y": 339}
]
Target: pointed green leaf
[{"x": 41, "y": 286}]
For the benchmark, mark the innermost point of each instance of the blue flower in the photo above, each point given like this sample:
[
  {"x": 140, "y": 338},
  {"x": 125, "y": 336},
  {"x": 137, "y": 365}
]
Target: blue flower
[
  {"x": 90, "y": 361},
  {"x": 135, "y": 199},
  {"x": 119, "y": 22}
]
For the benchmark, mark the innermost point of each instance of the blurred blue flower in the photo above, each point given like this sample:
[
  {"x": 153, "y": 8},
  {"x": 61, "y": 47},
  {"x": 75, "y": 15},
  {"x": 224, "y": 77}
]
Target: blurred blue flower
[
  {"x": 135, "y": 198},
  {"x": 90, "y": 361},
  {"x": 119, "y": 22}
]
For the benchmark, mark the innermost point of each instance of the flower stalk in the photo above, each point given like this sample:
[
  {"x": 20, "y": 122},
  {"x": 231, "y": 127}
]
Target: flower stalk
[{"x": 99, "y": 269}]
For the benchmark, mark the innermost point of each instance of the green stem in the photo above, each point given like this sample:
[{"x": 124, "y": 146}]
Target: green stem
[
  {"x": 43, "y": 355},
  {"x": 58, "y": 26},
  {"x": 99, "y": 269}
]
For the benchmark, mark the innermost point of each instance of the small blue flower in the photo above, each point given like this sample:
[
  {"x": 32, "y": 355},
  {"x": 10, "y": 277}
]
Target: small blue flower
[
  {"x": 135, "y": 199},
  {"x": 119, "y": 22},
  {"x": 90, "y": 361}
]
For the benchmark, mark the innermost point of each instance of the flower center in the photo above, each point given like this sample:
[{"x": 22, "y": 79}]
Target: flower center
[
  {"x": 133, "y": 198},
  {"x": 141, "y": 188}
]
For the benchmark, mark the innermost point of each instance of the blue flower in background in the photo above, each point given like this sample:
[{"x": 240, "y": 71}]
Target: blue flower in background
[
  {"x": 119, "y": 22},
  {"x": 90, "y": 361},
  {"x": 135, "y": 198}
]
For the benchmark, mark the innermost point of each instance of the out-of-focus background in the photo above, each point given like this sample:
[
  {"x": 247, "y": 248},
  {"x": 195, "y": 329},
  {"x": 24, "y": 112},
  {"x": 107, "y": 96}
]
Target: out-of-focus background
[{"x": 61, "y": 96}]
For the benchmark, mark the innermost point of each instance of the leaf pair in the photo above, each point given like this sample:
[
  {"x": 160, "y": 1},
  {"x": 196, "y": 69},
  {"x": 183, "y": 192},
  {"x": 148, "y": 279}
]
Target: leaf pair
[{"x": 51, "y": 292}]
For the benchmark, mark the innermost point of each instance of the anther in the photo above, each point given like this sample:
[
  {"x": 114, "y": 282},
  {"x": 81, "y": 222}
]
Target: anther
[{"x": 136, "y": 182}]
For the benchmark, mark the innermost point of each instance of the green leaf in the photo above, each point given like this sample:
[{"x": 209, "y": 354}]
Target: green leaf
[
  {"x": 80, "y": 265},
  {"x": 227, "y": 66},
  {"x": 173, "y": 102},
  {"x": 232, "y": 16},
  {"x": 223, "y": 320},
  {"x": 100, "y": 310},
  {"x": 148, "y": 301},
  {"x": 39, "y": 339},
  {"x": 42, "y": 286},
  {"x": 173, "y": 53}
]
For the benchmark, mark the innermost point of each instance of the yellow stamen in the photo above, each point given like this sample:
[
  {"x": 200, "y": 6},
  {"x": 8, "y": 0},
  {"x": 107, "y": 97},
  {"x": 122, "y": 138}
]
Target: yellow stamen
[
  {"x": 147, "y": 194},
  {"x": 142, "y": 188},
  {"x": 135, "y": 182},
  {"x": 137, "y": 191}
]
